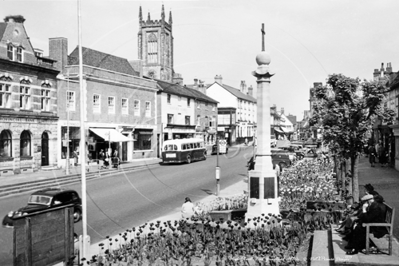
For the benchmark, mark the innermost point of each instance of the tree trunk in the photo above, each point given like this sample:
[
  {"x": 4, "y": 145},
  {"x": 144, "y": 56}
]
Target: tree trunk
[
  {"x": 343, "y": 175},
  {"x": 349, "y": 177},
  {"x": 355, "y": 177}
]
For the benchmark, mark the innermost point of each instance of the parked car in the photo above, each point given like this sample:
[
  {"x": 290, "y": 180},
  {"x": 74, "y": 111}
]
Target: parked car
[
  {"x": 46, "y": 199},
  {"x": 297, "y": 149},
  {"x": 279, "y": 157}
]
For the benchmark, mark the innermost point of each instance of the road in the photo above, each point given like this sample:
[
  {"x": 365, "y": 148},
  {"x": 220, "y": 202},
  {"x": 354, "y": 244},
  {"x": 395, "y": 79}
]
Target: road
[{"x": 127, "y": 200}]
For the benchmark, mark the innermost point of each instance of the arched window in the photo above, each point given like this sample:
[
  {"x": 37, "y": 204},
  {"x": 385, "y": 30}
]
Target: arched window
[
  {"x": 25, "y": 145},
  {"x": 5, "y": 144}
]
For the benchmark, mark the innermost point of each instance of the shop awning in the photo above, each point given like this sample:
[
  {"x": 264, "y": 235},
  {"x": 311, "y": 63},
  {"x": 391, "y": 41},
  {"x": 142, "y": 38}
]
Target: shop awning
[{"x": 110, "y": 134}]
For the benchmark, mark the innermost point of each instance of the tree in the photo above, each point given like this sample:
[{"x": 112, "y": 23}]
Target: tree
[{"x": 345, "y": 110}]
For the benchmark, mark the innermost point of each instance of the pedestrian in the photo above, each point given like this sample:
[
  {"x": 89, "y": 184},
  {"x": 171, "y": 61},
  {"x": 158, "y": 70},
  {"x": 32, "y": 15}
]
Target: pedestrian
[
  {"x": 382, "y": 155},
  {"x": 107, "y": 159},
  {"x": 75, "y": 155},
  {"x": 372, "y": 154},
  {"x": 101, "y": 158},
  {"x": 187, "y": 209}
]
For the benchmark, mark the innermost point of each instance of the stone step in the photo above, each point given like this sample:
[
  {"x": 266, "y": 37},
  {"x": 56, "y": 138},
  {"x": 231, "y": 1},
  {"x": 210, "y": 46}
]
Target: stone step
[
  {"x": 341, "y": 259},
  {"x": 321, "y": 249}
]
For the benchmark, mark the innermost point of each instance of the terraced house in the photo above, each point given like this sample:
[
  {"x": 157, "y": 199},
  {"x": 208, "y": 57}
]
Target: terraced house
[{"x": 28, "y": 102}]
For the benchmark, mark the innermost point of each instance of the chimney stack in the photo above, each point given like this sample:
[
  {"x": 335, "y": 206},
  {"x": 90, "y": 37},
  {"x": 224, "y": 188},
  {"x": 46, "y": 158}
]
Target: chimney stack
[
  {"x": 219, "y": 79},
  {"x": 282, "y": 110},
  {"x": 195, "y": 86},
  {"x": 382, "y": 69},
  {"x": 389, "y": 68},
  {"x": 250, "y": 91},
  {"x": 58, "y": 50},
  {"x": 243, "y": 87}
]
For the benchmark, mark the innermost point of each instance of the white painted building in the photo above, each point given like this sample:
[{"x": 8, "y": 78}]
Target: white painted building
[{"x": 241, "y": 106}]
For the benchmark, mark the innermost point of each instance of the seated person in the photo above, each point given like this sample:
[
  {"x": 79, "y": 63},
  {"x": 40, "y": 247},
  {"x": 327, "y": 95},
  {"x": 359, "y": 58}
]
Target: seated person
[
  {"x": 375, "y": 213},
  {"x": 356, "y": 209}
]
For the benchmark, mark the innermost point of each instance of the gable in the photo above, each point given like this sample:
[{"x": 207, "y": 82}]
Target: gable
[{"x": 15, "y": 34}]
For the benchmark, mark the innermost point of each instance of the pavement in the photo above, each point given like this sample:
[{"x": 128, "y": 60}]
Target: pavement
[{"x": 329, "y": 246}]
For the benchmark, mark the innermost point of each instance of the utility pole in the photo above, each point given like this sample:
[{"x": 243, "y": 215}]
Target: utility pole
[
  {"x": 67, "y": 172},
  {"x": 82, "y": 138},
  {"x": 217, "y": 159}
]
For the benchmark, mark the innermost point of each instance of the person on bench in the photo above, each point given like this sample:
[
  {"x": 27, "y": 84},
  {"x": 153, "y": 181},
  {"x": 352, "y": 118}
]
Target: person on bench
[
  {"x": 375, "y": 213},
  {"x": 347, "y": 223}
]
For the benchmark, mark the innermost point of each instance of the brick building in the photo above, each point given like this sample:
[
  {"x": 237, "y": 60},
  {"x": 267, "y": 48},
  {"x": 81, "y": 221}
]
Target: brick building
[
  {"x": 120, "y": 106},
  {"x": 28, "y": 102}
]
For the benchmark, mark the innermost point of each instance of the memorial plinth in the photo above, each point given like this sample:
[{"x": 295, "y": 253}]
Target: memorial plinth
[{"x": 263, "y": 191}]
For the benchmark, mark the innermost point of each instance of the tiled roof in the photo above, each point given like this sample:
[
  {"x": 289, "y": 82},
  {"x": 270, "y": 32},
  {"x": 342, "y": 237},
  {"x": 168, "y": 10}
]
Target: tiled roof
[
  {"x": 102, "y": 60},
  {"x": 184, "y": 91},
  {"x": 237, "y": 93},
  {"x": 3, "y": 27}
]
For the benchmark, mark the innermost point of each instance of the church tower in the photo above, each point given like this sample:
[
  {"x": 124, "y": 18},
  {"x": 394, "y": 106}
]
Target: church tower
[{"x": 155, "y": 46}]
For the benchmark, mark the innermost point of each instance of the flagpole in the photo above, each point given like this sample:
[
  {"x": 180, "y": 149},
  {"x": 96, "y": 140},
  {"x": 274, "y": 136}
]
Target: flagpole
[{"x": 82, "y": 138}]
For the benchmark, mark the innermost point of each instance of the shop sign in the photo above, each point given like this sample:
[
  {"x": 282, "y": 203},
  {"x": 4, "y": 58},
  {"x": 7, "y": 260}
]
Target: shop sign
[{"x": 18, "y": 119}]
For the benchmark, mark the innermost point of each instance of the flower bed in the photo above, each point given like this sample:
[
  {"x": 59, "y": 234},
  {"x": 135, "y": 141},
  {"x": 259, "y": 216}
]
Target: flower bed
[{"x": 203, "y": 241}]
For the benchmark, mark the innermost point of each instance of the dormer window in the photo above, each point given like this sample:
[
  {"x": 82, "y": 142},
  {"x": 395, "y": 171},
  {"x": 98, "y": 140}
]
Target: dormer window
[
  {"x": 10, "y": 52},
  {"x": 15, "y": 53},
  {"x": 19, "y": 54}
]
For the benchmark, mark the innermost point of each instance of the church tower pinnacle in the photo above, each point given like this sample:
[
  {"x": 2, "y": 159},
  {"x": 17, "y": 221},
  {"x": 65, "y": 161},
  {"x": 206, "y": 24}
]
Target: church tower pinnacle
[{"x": 155, "y": 47}]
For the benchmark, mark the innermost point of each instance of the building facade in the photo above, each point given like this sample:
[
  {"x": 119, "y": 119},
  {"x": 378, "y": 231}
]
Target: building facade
[
  {"x": 28, "y": 102},
  {"x": 243, "y": 127},
  {"x": 185, "y": 113},
  {"x": 120, "y": 106}
]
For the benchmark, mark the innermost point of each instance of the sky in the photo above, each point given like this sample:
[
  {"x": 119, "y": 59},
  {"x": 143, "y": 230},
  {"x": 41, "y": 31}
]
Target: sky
[{"x": 307, "y": 40}]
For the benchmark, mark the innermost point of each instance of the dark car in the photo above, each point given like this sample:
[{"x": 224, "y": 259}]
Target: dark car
[
  {"x": 280, "y": 158},
  {"x": 47, "y": 199}
]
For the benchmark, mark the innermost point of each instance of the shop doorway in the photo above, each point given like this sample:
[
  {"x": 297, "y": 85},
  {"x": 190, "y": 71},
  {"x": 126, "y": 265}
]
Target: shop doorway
[
  {"x": 124, "y": 151},
  {"x": 45, "y": 159}
]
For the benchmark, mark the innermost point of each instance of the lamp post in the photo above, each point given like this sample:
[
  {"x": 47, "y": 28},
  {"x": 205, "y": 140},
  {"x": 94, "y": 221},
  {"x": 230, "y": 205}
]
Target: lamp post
[{"x": 263, "y": 193}]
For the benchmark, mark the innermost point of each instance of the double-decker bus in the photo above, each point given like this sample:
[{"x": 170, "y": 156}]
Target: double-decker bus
[{"x": 183, "y": 150}]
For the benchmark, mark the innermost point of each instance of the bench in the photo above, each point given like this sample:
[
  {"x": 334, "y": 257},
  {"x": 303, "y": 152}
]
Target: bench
[{"x": 389, "y": 216}]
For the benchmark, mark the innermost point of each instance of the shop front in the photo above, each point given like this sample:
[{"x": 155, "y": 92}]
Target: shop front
[
  {"x": 97, "y": 138},
  {"x": 145, "y": 143}
]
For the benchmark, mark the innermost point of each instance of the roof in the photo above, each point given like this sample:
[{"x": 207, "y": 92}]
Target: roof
[
  {"x": 3, "y": 27},
  {"x": 236, "y": 92},
  {"x": 395, "y": 81},
  {"x": 184, "y": 91},
  {"x": 102, "y": 60},
  {"x": 50, "y": 191}
]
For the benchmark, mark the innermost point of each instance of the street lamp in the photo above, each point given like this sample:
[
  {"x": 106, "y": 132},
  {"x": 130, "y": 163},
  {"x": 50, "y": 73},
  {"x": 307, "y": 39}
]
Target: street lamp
[{"x": 217, "y": 173}]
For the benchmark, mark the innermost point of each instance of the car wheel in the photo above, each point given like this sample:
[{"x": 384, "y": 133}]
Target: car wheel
[
  {"x": 77, "y": 215},
  {"x": 188, "y": 159},
  {"x": 282, "y": 165}
]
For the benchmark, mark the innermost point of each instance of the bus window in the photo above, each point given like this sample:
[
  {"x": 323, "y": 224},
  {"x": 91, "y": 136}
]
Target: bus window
[
  {"x": 175, "y": 146},
  {"x": 165, "y": 148},
  {"x": 192, "y": 145}
]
